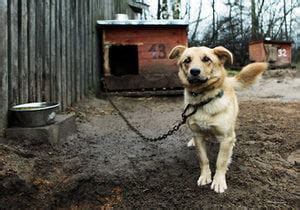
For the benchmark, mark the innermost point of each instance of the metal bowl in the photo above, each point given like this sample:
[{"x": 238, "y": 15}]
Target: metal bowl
[{"x": 34, "y": 114}]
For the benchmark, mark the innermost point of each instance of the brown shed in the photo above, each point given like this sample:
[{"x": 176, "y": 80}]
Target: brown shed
[
  {"x": 277, "y": 53},
  {"x": 135, "y": 53}
]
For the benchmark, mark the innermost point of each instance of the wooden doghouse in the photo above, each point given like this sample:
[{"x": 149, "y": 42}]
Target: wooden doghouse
[
  {"x": 135, "y": 53},
  {"x": 277, "y": 53}
]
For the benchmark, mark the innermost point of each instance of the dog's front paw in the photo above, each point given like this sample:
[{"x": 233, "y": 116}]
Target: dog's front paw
[
  {"x": 191, "y": 143},
  {"x": 219, "y": 183},
  {"x": 204, "y": 180}
]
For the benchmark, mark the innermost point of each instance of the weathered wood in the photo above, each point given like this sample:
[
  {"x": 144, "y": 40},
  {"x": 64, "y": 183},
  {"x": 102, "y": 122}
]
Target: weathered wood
[
  {"x": 140, "y": 82},
  {"x": 23, "y": 54},
  {"x": 94, "y": 38},
  {"x": 77, "y": 50},
  {"x": 147, "y": 93},
  {"x": 39, "y": 63},
  {"x": 63, "y": 51},
  {"x": 53, "y": 50},
  {"x": 73, "y": 49},
  {"x": 47, "y": 61},
  {"x": 86, "y": 66},
  {"x": 58, "y": 51},
  {"x": 13, "y": 53},
  {"x": 3, "y": 65},
  {"x": 68, "y": 53},
  {"x": 153, "y": 45},
  {"x": 31, "y": 52},
  {"x": 82, "y": 59}
]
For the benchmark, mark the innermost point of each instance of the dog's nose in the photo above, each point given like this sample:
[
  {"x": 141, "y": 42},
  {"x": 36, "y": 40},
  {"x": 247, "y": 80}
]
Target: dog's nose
[{"x": 195, "y": 72}]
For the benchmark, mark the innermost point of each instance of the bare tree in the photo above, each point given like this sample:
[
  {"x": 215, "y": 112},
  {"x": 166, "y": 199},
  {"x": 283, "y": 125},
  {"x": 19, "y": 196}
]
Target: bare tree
[
  {"x": 214, "y": 31},
  {"x": 158, "y": 10},
  {"x": 285, "y": 20},
  {"x": 198, "y": 20},
  {"x": 176, "y": 9}
]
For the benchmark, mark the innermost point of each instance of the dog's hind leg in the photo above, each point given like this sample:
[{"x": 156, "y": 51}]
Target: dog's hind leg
[
  {"x": 224, "y": 157},
  {"x": 205, "y": 176}
]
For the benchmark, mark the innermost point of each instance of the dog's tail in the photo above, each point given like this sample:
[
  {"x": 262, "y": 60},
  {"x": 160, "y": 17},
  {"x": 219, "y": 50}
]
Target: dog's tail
[{"x": 248, "y": 75}]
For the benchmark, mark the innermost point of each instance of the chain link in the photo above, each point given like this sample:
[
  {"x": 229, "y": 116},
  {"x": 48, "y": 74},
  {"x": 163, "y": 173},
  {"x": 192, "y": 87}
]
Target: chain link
[
  {"x": 189, "y": 110},
  {"x": 136, "y": 131}
]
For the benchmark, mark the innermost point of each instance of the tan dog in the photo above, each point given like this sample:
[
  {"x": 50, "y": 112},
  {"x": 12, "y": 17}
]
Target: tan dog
[{"x": 202, "y": 73}]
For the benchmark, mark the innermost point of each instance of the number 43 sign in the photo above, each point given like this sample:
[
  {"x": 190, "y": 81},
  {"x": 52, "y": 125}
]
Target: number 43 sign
[{"x": 158, "y": 51}]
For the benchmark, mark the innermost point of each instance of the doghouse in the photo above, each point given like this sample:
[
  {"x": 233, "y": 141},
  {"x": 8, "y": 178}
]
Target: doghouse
[
  {"x": 277, "y": 53},
  {"x": 135, "y": 53}
]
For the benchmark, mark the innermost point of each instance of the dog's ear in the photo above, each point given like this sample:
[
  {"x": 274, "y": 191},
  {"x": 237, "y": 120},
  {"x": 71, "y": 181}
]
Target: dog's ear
[
  {"x": 177, "y": 51},
  {"x": 223, "y": 54}
]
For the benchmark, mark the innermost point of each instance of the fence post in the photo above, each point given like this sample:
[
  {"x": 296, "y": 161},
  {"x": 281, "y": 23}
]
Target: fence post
[{"x": 3, "y": 66}]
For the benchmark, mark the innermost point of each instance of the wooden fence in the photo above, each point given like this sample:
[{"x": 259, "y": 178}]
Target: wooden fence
[{"x": 48, "y": 50}]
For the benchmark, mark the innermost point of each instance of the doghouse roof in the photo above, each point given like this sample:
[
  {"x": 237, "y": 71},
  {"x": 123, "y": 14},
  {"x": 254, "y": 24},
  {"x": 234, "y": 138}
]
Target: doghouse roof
[
  {"x": 270, "y": 42},
  {"x": 141, "y": 23}
]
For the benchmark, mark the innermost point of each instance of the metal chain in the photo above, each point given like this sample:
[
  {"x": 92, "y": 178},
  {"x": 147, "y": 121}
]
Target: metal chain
[
  {"x": 136, "y": 131},
  {"x": 189, "y": 110}
]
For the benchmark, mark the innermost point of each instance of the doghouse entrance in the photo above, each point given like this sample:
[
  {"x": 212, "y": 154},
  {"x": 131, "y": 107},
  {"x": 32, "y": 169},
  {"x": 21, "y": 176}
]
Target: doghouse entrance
[{"x": 123, "y": 60}]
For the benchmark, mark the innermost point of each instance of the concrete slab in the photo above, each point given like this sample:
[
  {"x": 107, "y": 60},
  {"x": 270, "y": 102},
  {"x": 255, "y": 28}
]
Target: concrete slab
[{"x": 63, "y": 127}]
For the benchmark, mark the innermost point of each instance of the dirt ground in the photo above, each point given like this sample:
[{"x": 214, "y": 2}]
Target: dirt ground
[{"x": 106, "y": 165}]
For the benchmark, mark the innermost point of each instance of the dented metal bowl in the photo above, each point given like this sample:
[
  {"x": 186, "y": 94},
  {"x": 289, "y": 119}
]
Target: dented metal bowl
[{"x": 34, "y": 114}]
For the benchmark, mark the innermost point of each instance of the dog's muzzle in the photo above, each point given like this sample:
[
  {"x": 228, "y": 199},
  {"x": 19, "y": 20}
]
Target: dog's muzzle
[{"x": 197, "y": 80}]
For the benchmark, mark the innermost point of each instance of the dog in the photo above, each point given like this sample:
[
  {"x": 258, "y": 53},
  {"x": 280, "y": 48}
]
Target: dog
[{"x": 204, "y": 78}]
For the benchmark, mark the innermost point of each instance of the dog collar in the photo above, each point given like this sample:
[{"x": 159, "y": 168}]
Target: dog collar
[
  {"x": 186, "y": 113},
  {"x": 219, "y": 95},
  {"x": 195, "y": 94}
]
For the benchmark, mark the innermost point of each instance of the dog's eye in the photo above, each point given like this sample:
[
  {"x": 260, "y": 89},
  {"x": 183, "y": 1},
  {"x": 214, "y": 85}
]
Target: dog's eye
[
  {"x": 187, "y": 60},
  {"x": 205, "y": 59}
]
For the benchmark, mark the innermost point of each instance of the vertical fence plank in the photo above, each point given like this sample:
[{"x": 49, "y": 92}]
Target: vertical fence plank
[
  {"x": 81, "y": 50},
  {"x": 92, "y": 39},
  {"x": 99, "y": 13},
  {"x": 96, "y": 2},
  {"x": 13, "y": 53},
  {"x": 39, "y": 63},
  {"x": 85, "y": 68},
  {"x": 23, "y": 53},
  {"x": 58, "y": 51},
  {"x": 31, "y": 51},
  {"x": 68, "y": 52},
  {"x": 77, "y": 44},
  {"x": 52, "y": 50},
  {"x": 63, "y": 56},
  {"x": 73, "y": 49},
  {"x": 90, "y": 19},
  {"x": 3, "y": 65},
  {"x": 46, "y": 76}
]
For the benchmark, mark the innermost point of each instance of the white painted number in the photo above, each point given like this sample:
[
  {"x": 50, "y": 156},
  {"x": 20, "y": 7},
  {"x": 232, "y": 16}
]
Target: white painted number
[{"x": 282, "y": 53}]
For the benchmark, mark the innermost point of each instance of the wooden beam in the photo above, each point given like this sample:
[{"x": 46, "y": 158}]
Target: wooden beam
[
  {"x": 53, "y": 59},
  {"x": 23, "y": 53},
  {"x": 3, "y": 66},
  {"x": 64, "y": 59},
  {"x": 13, "y": 53},
  {"x": 47, "y": 61},
  {"x": 31, "y": 52}
]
